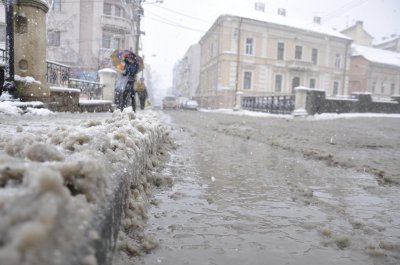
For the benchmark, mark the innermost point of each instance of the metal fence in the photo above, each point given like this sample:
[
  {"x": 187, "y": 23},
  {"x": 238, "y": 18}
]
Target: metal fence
[
  {"x": 2, "y": 55},
  {"x": 92, "y": 90},
  {"x": 270, "y": 104},
  {"x": 57, "y": 74}
]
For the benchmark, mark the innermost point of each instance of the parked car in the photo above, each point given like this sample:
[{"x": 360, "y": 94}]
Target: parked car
[
  {"x": 191, "y": 104},
  {"x": 170, "y": 102},
  {"x": 182, "y": 102}
]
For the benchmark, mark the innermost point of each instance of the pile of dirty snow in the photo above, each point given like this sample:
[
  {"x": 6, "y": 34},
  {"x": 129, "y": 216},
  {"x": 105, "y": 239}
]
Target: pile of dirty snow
[{"x": 66, "y": 181}]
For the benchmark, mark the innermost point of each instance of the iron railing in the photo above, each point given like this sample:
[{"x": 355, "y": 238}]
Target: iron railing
[
  {"x": 57, "y": 74},
  {"x": 270, "y": 104},
  {"x": 2, "y": 55},
  {"x": 92, "y": 90}
]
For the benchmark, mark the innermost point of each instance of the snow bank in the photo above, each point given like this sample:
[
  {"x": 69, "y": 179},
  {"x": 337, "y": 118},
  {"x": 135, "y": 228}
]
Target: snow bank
[
  {"x": 323, "y": 116},
  {"x": 65, "y": 181}
]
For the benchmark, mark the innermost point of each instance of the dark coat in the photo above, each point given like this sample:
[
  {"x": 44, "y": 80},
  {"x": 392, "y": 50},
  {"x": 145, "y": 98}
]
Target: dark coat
[
  {"x": 142, "y": 93},
  {"x": 131, "y": 69}
]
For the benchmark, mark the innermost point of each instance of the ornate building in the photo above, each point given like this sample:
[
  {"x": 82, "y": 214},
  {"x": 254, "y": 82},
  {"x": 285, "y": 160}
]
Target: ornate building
[
  {"x": 83, "y": 34},
  {"x": 261, "y": 55}
]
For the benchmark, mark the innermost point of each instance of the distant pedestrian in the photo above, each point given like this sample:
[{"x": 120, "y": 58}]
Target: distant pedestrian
[
  {"x": 130, "y": 70},
  {"x": 142, "y": 92}
]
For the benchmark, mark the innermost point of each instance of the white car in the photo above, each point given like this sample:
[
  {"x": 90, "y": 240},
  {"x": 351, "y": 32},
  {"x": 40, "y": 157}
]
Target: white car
[{"x": 191, "y": 104}]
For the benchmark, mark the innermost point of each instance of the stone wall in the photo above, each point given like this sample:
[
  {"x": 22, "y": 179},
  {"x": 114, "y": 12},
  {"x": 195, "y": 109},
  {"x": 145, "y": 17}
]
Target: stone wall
[
  {"x": 224, "y": 99},
  {"x": 315, "y": 101},
  {"x": 64, "y": 100},
  {"x": 96, "y": 106},
  {"x": 67, "y": 100}
]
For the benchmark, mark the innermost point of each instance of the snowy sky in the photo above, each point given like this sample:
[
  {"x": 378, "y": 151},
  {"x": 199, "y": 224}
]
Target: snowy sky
[{"x": 171, "y": 27}]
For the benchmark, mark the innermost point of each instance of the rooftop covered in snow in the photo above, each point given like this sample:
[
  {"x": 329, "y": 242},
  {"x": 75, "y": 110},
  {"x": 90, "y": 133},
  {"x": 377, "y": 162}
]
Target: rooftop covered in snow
[
  {"x": 375, "y": 55},
  {"x": 289, "y": 22}
]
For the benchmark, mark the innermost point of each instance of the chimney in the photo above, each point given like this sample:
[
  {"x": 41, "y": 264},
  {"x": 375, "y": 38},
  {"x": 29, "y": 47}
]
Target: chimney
[
  {"x": 359, "y": 23},
  {"x": 282, "y": 12},
  {"x": 317, "y": 20},
  {"x": 259, "y": 6}
]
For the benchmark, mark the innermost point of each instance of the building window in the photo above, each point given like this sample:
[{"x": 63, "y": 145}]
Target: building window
[
  {"x": 118, "y": 11},
  {"x": 57, "y": 5},
  {"x": 278, "y": 83},
  {"x": 213, "y": 49},
  {"x": 383, "y": 87},
  {"x": 53, "y": 38},
  {"x": 247, "y": 80},
  {"x": 335, "y": 88},
  {"x": 314, "y": 56},
  {"x": 373, "y": 87},
  {"x": 107, "y": 9},
  {"x": 281, "y": 50},
  {"x": 312, "y": 83},
  {"x": 106, "y": 41},
  {"x": 337, "y": 60},
  {"x": 249, "y": 46},
  {"x": 392, "y": 88},
  {"x": 298, "y": 52},
  {"x": 295, "y": 83},
  {"x": 117, "y": 43}
]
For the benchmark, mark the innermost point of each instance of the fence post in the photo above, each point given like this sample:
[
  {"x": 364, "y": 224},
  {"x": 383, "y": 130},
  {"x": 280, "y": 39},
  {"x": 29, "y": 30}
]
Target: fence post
[
  {"x": 300, "y": 108},
  {"x": 238, "y": 96},
  {"x": 107, "y": 78}
]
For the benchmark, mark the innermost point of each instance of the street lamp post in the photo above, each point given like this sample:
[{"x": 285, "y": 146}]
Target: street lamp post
[
  {"x": 138, "y": 13},
  {"x": 9, "y": 83}
]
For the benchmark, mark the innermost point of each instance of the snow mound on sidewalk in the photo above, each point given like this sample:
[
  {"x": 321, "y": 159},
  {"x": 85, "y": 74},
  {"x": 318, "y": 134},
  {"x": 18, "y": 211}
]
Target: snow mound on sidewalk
[{"x": 53, "y": 179}]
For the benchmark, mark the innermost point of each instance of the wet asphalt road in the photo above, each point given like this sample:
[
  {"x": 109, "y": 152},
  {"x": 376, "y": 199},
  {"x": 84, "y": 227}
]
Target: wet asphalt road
[{"x": 278, "y": 191}]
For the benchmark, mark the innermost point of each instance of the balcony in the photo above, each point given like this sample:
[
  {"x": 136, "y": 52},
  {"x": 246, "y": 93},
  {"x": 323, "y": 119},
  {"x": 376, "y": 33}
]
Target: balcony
[
  {"x": 298, "y": 65},
  {"x": 120, "y": 24}
]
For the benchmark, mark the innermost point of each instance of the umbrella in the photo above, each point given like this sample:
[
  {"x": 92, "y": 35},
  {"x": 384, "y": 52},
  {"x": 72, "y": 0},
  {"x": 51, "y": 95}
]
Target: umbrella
[{"x": 118, "y": 59}]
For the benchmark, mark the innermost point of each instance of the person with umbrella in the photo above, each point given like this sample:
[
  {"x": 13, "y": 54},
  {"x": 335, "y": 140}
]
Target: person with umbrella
[{"x": 130, "y": 70}]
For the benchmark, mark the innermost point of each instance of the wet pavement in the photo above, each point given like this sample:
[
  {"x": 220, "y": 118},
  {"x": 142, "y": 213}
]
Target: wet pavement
[{"x": 244, "y": 195}]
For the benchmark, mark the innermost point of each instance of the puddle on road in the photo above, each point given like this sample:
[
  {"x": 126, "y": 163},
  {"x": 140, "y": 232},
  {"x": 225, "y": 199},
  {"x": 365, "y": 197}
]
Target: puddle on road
[{"x": 284, "y": 211}]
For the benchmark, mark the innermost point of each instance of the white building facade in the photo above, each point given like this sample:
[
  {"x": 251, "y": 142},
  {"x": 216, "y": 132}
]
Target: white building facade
[
  {"x": 83, "y": 34},
  {"x": 186, "y": 74},
  {"x": 259, "y": 55}
]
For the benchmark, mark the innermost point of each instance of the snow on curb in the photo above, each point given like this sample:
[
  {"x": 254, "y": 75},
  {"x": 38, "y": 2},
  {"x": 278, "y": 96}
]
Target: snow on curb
[{"x": 64, "y": 190}]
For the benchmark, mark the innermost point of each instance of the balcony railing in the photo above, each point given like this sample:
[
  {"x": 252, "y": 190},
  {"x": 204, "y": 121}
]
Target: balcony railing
[
  {"x": 299, "y": 65},
  {"x": 120, "y": 24}
]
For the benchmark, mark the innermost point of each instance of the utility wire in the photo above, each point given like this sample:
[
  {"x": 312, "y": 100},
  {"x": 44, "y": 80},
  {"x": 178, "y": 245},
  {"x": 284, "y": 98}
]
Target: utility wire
[
  {"x": 182, "y": 14},
  {"x": 159, "y": 17},
  {"x": 175, "y": 25},
  {"x": 170, "y": 22}
]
